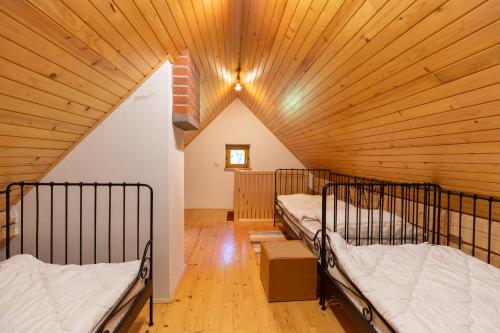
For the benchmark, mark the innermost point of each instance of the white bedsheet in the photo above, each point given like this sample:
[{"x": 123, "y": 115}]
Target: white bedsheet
[
  {"x": 306, "y": 207},
  {"x": 39, "y": 297},
  {"x": 425, "y": 288}
]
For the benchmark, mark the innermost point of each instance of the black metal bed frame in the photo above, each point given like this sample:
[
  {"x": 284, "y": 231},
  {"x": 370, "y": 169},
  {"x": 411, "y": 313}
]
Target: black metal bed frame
[
  {"x": 121, "y": 317},
  {"x": 424, "y": 208}
]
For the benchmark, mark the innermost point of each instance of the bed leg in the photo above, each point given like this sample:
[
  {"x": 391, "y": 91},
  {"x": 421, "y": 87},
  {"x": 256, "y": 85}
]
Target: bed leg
[
  {"x": 322, "y": 291},
  {"x": 151, "y": 311}
]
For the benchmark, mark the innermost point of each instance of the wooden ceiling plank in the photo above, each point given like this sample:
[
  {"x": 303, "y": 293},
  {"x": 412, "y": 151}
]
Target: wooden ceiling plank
[
  {"x": 23, "y": 57},
  {"x": 20, "y": 106},
  {"x": 63, "y": 16},
  {"x": 25, "y": 76},
  {"x": 479, "y": 43},
  {"x": 89, "y": 14},
  {"x": 38, "y": 23},
  {"x": 31, "y": 132},
  {"x": 169, "y": 23},
  {"x": 151, "y": 18},
  {"x": 423, "y": 138},
  {"x": 269, "y": 39},
  {"x": 22, "y": 36},
  {"x": 426, "y": 63},
  {"x": 216, "y": 34},
  {"x": 375, "y": 18},
  {"x": 429, "y": 166},
  {"x": 342, "y": 17},
  {"x": 252, "y": 88},
  {"x": 470, "y": 118},
  {"x": 14, "y": 162},
  {"x": 255, "y": 19},
  {"x": 29, "y": 152},
  {"x": 292, "y": 32},
  {"x": 408, "y": 97},
  {"x": 19, "y": 119},
  {"x": 135, "y": 18},
  {"x": 436, "y": 20},
  {"x": 22, "y": 142},
  {"x": 27, "y": 93},
  {"x": 21, "y": 169},
  {"x": 297, "y": 52},
  {"x": 315, "y": 79},
  {"x": 118, "y": 20},
  {"x": 226, "y": 16},
  {"x": 249, "y": 77},
  {"x": 223, "y": 16},
  {"x": 284, "y": 24}
]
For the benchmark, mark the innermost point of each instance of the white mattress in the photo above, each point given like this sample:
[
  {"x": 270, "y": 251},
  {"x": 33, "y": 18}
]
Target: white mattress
[
  {"x": 425, "y": 288},
  {"x": 307, "y": 209},
  {"x": 39, "y": 297}
]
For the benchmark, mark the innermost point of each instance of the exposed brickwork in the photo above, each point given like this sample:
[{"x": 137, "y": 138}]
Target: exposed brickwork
[{"x": 186, "y": 93}]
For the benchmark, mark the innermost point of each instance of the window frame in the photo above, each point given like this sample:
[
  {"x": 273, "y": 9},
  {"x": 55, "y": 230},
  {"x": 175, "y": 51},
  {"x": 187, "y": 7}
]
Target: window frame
[{"x": 246, "y": 148}]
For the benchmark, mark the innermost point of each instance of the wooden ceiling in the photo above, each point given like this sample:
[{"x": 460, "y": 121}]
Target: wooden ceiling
[
  {"x": 65, "y": 64},
  {"x": 398, "y": 89}
]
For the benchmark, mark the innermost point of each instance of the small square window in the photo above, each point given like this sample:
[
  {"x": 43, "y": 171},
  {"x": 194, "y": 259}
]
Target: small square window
[{"x": 237, "y": 156}]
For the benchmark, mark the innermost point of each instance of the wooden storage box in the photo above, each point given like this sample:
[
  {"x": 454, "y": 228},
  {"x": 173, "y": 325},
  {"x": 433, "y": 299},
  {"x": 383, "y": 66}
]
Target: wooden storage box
[{"x": 288, "y": 271}]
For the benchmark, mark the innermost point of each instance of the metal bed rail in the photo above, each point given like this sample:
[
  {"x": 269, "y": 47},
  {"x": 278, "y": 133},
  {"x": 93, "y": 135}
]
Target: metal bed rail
[{"x": 469, "y": 224}]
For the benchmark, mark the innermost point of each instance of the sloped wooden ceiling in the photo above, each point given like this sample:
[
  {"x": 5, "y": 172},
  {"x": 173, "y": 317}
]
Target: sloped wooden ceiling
[
  {"x": 398, "y": 89},
  {"x": 65, "y": 64}
]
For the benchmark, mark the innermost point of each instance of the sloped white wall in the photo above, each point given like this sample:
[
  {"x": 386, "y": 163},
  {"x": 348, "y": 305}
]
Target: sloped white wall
[
  {"x": 207, "y": 184},
  {"x": 136, "y": 143}
]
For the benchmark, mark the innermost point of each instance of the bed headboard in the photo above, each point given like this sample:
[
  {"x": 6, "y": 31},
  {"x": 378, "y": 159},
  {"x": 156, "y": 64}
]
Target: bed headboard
[{"x": 80, "y": 223}]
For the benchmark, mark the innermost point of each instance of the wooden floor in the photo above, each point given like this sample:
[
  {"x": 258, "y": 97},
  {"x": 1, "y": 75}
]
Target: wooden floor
[{"x": 221, "y": 289}]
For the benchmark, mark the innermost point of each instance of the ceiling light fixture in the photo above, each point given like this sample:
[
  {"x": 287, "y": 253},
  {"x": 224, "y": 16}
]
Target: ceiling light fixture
[{"x": 238, "y": 87}]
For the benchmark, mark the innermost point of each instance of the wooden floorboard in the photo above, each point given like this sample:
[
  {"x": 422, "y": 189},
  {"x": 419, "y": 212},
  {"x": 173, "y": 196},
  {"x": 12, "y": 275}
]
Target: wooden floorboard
[{"x": 221, "y": 289}]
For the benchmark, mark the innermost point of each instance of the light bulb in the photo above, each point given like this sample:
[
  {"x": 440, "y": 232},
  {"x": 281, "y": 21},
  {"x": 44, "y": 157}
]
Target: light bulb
[{"x": 237, "y": 87}]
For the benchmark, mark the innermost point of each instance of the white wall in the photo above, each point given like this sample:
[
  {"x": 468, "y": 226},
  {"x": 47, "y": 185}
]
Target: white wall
[
  {"x": 207, "y": 184},
  {"x": 136, "y": 143}
]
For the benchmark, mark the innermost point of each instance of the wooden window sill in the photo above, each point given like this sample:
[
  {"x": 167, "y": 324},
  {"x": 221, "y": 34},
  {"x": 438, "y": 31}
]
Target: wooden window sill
[{"x": 236, "y": 169}]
